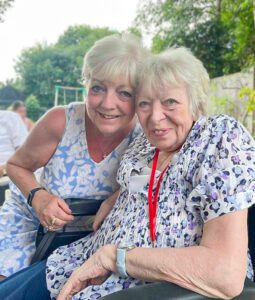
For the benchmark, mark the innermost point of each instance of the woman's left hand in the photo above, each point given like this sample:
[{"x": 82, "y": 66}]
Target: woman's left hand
[{"x": 93, "y": 272}]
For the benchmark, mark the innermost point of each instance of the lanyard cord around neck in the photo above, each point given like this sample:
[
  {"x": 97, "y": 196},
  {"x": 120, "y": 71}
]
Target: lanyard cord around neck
[{"x": 153, "y": 197}]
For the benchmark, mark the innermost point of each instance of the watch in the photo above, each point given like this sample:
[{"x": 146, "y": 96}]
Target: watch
[
  {"x": 32, "y": 194},
  {"x": 121, "y": 259}
]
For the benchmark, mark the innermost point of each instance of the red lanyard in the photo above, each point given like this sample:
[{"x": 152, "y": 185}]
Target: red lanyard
[{"x": 153, "y": 198}]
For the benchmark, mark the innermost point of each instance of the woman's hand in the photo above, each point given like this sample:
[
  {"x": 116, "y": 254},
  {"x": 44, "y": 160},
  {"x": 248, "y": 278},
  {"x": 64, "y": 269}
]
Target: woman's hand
[
  {"x": 104, "y": 210},
  {"x": 93, "y": 272},
  {"x": 51, "y": 210}
]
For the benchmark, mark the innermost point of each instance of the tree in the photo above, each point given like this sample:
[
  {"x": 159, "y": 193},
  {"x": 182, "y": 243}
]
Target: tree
[
  {"x": 237, "y": 16},
  {"x": 40, "y": 68},
  {"x": 34, "y": 110},
  {"x": 219, "y": 32},
  {"x": 4, "y": 5},
  {"x": 43, "y": 66}
]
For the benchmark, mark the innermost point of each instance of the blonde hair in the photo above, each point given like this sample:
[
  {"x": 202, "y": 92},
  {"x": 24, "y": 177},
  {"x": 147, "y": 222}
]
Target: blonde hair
[
  {"x": 112, "y": 57},
  {"x": 175, "y": 67}
]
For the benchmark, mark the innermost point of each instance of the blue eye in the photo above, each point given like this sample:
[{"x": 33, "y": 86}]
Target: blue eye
[
  {"x": 169, "y": 102},
  {"x": 97, "y": 88},
  {"x": 143, "y": 104},
  {"x": 126, "y": 94}
]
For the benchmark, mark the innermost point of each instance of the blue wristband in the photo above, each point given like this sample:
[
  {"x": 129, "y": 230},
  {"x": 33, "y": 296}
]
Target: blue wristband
[{"x": 121, "y": 262}]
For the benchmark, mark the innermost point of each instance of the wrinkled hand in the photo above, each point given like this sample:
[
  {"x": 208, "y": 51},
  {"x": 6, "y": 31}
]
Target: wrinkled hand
[
  {"x": 93, "y": 272},
  {"x": 104, "y": 210},
  {"x": 51, "y": 210}
]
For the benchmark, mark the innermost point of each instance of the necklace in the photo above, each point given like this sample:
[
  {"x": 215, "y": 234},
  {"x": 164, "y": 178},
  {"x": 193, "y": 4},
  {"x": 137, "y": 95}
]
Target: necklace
[{"x": 104, "y": 152}]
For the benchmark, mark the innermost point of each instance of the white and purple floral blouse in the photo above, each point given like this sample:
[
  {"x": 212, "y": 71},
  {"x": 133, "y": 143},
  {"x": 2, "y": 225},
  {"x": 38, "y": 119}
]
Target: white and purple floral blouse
[{"x": 213, "y": 174}]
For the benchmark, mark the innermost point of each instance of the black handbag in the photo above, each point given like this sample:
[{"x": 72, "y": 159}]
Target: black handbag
[{"x": 48, "y": 241}]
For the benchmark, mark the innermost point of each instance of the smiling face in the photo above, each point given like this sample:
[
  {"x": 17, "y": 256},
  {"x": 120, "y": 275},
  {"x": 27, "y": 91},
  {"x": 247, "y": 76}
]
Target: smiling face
[
  {"x": 165, "y": 116},
  {"x": 110, "y": 105}
]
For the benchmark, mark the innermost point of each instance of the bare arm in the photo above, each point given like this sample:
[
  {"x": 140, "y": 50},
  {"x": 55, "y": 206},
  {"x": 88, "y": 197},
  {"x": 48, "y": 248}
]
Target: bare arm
[
  {"x": 35, "y": 153},
  {"x": 215, "y": 268},
  {"x": 104, "y": 210},
  {"x": 37, "y": 149}
]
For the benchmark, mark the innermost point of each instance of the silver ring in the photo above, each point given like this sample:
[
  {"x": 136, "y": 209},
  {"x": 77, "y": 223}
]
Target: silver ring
[{"x": 51, "y": 228}]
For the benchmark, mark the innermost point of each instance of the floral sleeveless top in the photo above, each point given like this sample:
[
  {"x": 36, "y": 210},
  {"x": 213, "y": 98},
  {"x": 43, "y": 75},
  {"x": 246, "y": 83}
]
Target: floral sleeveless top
[{"x": 71, "y": 172}]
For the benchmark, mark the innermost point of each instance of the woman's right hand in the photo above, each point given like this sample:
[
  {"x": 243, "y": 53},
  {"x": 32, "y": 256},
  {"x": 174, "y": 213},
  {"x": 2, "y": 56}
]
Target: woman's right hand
[{"x": 51, "y": 210}]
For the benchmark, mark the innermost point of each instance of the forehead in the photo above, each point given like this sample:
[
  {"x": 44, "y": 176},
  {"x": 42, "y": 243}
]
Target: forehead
[
  {"x": 117, "y": 73},
  {"x": 120, "y": 81},
  {"x": 162, "y": 92}
]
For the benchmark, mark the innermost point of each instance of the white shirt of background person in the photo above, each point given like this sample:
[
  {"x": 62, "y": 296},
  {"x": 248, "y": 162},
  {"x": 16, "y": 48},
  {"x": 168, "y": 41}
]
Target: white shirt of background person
[{"x": 13, "y": 133}]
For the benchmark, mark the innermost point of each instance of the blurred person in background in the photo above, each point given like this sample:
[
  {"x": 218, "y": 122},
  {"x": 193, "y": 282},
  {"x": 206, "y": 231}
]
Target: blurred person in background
[
  {"x": 13, "y": 132},
  {"x": 19, "y": 107}
]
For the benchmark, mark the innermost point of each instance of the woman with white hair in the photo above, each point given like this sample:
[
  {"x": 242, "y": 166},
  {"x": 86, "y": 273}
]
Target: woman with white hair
[
  {"x": 185, "y": 186},
  {"x": 79, "y": 146}
]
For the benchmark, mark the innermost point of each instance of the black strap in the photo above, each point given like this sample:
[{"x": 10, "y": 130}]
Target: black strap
[
  {"x": 32, "y": 193},
  {"x": 43, "y": 246}
]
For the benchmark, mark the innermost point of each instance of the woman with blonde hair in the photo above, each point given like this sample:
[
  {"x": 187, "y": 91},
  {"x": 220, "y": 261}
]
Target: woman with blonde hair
[{"x": 79, "y": 147}]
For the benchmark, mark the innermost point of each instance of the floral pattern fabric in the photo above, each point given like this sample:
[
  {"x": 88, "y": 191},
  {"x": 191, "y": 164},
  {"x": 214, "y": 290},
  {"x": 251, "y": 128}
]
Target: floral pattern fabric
[
  {"x": 69, "y": 173},
  {"x": 213, "y": 174}
]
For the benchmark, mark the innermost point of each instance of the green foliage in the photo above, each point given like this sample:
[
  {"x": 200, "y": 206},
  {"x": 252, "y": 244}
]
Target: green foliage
[
  {"x": 229, "y": 105},
  {"x": 201, "y": 41},
  {"x": 4, "y": 5},
  {"x": 248, "y": 94},
  {"x": 34, "y": 110},
  {"x": 82, "y": 35},
  {"x": 238, "y": 17},
  {"x": 42, "y": 67},
  {"x": 220, "y": 33},
  {"x": 135, "y": 31},
  {"x": 222, "y": 105}
]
